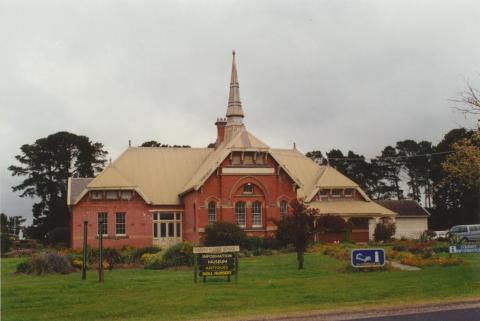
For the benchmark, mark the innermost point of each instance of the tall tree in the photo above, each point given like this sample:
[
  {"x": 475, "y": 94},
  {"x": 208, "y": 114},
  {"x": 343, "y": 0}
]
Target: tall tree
[
  {"x": 46, "y": 165},
  {"x": 390, "y": 167},
  {"x": 317, "y": 157}
]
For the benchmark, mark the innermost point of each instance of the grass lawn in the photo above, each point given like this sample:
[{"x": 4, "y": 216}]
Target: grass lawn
[{"x": 267, "y": 285}]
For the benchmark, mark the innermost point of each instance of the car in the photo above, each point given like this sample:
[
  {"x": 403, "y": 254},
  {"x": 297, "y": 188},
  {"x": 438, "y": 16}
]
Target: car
[{"x": 466, "y": 232}]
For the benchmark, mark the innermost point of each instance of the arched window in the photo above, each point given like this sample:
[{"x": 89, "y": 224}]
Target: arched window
[
  {"x": 212, "y": 212},
  {"x": 248, "y": 188},
  {"x": 240, "y": 214},
  {"x": 256, "y": 214},
  {"x": 283, "y": 209}
]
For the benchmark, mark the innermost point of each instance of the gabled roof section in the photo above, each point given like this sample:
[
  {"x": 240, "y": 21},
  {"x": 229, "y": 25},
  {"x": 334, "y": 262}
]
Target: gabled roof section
[
  {"x": 76, "y": 185},
  {"x": 243, "y": 141},
  {"x": 331, "y": 178},
  {"x": 405, "y": 208},
  {"x": 300, "y": 168},
  {"x": 156, "y": 173}
]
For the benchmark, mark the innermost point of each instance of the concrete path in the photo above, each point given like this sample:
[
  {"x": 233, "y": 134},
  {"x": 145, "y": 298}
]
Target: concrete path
[{"x": 404, "y": 267}]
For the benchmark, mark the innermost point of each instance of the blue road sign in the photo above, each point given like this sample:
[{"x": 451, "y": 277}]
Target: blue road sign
[{"x": 368, "y": 257}]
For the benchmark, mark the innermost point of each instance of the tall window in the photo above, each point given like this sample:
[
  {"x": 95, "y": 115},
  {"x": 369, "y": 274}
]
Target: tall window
[
  {"x": 212, "y": 212},
  {"x": 240, "y": 213},
  {"x": 256, "y": 214},
  {"x": 102, "y": 226},
  {"x": 283, "y": 209},
  {"x": 120, "y": 224}
]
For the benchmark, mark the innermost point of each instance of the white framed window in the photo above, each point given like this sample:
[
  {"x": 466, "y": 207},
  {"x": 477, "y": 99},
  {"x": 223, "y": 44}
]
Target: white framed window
[
  {"x": 167, "y": 225},
  {"x": 120, "y": 227},
  {"x": 283, "y": 209},
  {"x": 212, "y": 212},
  {"x": 348, "y": 193},
  {"x": 126, "y": 195},
  {"x": 324, "y": 193},
  {"x": 248, "y": 188},
  {"x": 240, "y": 214},
  {"x": 96, "y": 195},
  {"x": 256, "y": 214},
  {"x": 112, "y": 195},
  {"x": 102, "y": 223},
  {"x": 336, "y": 193}
]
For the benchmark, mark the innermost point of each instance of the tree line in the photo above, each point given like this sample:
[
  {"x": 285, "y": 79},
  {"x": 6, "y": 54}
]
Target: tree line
[{"x": 415, "y": 170}]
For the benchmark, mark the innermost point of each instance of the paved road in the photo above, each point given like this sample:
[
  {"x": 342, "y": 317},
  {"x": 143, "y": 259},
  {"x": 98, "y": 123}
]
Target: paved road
[
  {"x": 452, "y": 311},
  {"x": 472, "y": 314}
]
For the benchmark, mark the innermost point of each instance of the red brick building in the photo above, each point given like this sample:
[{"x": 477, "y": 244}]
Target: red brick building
[{"x": 161, "y": 196}]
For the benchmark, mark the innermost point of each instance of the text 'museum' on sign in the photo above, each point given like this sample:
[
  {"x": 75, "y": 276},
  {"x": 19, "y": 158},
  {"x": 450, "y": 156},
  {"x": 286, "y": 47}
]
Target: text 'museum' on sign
[
  {"x": 216, "y": 261},
  {"x": 368, "y": 257}
]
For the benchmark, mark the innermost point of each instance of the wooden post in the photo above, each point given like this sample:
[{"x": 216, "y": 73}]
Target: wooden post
[
  {"x": 100, "y": 251},
  {"x": 84, "y": 263}
]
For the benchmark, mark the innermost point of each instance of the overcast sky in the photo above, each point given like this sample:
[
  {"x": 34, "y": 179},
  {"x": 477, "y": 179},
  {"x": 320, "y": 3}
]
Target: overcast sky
[{"x": 354, "y": 75}]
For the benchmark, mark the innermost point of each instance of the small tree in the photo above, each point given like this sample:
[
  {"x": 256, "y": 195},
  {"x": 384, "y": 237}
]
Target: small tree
[
  {"x": 384, "y": 231},
  {"x": 298, "y": 229}
]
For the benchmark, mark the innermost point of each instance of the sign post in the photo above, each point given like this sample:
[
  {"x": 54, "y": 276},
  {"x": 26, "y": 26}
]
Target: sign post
[
  {"x": 362, "y": 258},
  {"x": 216, "y": 261}
]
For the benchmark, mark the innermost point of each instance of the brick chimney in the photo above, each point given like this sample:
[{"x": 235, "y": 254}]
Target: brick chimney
[{"x": 220, "y": 123}]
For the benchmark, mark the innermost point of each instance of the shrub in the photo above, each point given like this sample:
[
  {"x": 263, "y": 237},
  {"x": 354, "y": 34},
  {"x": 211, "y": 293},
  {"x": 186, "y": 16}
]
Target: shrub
[
  {"x": 441, "y": 249},
  {"x": 59, "y": 235},
  {"x": 134, "y": 255},
  {"x": 400, "y": 248},
  {"x": 384, "y": 231},
  {"x": 178, "y": 255},
  {"x": 45, "y": 263},
  {"x": 417, "y": 248},
  {"x": 427, "y": 236},
  {"x": 23, "y": 267},
  {"x": 223, "y": 233},
  {"x": 255, "y": 242},
  {"x": 6, "y": 242}
]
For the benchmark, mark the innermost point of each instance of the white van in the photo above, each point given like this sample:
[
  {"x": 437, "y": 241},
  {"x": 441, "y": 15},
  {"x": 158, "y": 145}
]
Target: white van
[{"x": 466, "y": 232}]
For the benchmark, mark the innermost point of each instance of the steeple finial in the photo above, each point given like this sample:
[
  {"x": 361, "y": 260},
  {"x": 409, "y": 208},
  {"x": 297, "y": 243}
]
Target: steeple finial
[{"x": 235, "y": 110}]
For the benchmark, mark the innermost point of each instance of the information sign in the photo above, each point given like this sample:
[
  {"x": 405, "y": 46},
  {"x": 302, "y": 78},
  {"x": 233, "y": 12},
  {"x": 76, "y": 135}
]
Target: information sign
[
  {"x": 216, "y": 261},
  {"x": 465, "y": 248},
  {"x": 368, "y": 257}
]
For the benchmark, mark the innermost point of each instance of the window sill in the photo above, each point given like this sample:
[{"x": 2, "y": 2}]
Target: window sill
[{"x": 255, "y": 229}]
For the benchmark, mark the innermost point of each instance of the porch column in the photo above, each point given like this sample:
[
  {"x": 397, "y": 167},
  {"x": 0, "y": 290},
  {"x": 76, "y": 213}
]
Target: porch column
[{"x": 372, "y": 222}]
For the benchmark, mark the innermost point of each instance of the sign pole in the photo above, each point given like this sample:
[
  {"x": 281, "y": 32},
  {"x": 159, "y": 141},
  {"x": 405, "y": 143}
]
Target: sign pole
[
  {"x": 100, "y": 251},
  {"x": 84, "y": 263}
]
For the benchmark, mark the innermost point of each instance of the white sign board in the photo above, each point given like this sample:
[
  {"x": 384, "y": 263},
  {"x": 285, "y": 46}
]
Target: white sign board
[
  {"x": 467, "y": 248},
  {"x": 216, "y": 249}
]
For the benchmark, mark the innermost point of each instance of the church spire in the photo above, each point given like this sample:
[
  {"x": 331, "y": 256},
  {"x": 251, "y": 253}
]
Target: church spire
[{"x": 234, "y": 111}]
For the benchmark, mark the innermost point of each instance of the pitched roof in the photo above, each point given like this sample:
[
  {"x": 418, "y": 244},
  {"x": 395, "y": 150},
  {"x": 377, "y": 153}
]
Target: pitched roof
[
  {"x": 76, "y": 185},
  {"x": 404, "y": 208},
  {"x": 299, "y": 167},
  {"x": 351, "y": 208},
  {"x": 157, "y": 173},
  {"x": 243, "y": 140}
]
